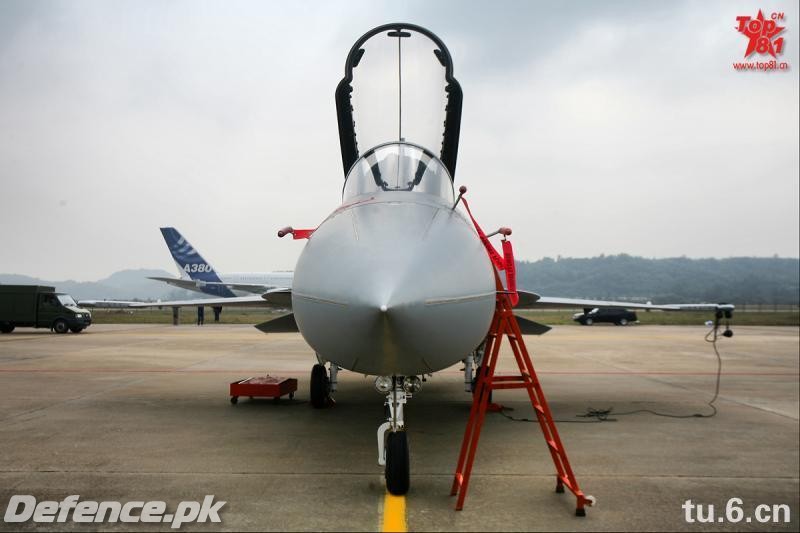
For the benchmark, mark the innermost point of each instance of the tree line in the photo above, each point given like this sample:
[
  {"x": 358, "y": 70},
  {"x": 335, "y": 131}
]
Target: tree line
[{"x": 752, "y": 280}]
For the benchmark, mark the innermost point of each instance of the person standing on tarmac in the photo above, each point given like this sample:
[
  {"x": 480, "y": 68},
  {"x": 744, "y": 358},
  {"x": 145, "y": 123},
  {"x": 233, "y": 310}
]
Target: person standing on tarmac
[{"x": 201, "y": 312}]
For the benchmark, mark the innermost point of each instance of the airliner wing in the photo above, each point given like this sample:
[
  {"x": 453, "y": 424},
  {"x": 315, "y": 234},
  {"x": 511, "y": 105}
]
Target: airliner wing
[
  {"x": 281, "y": 298},
  {"x": 106, "y": 304},
  {"x": 255, "y": 288},
  {"x": 191, "y": 284},
  {"x": 238, "y": 301}
]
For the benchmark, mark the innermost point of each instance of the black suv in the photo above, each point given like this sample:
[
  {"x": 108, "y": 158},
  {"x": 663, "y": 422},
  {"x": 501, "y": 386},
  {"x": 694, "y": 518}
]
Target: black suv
[{"x": 620, "y": 317}]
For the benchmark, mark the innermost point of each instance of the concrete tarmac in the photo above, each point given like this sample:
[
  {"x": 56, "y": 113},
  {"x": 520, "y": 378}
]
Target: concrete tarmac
[{"x": 141, "y": 412}]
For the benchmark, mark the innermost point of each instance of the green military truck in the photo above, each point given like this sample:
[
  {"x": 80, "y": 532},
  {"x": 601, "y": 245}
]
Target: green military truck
[{"x": 40, "y": 307}]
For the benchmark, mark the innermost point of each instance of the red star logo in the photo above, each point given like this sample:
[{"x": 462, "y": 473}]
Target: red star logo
[{"x": 760, "y": 31}]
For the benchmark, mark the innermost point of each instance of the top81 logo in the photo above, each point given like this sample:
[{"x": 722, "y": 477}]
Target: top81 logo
[{"x": 762, "y": 32}]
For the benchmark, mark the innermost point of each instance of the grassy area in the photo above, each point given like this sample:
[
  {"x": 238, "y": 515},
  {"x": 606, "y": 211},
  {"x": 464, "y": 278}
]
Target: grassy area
[
  {"x": 553, "y": 318},
  {"x": 230, "y": 315}
]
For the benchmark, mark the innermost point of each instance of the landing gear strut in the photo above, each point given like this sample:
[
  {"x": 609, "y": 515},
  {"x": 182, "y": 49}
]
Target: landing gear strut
[
  {"x": 392, "y": 437},
  {"x": 472, "y": 367}
]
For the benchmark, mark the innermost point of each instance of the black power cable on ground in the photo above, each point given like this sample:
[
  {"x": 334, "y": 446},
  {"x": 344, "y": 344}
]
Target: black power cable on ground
[{"x": 593, "y": 415}]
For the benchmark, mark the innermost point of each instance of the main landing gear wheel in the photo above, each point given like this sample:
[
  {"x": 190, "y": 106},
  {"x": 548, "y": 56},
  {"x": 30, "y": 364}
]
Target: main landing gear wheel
[
  {"x": 398, "y": 470},
  {"x": 320, "y": 386}
]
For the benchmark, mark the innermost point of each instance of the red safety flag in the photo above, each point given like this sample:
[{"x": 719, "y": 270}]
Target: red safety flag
[
  {"x": 498, "y": 262},
  {"x": 506, "y": 262},
  {"x": 511, "y": 271}
]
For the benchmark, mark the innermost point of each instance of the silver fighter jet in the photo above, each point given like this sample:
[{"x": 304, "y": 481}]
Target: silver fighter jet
[{"x": 394, "y": 283}]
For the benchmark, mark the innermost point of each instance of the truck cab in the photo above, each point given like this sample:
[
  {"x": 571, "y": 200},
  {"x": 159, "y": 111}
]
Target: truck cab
[
  {"x": 57, "y": 310},
  {"x": 40, "y": 307}
]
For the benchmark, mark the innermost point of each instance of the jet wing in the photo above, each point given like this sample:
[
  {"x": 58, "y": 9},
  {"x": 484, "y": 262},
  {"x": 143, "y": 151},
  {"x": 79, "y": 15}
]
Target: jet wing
[
  {"x": 191, "y": 284},
  {"x": 278, "y": 297},
  {"x": 526, "y": 299},
  {"x": 282, "y": 324},
  {"x": 534, "y": 301},
  {"x": 529, "y": 327}
]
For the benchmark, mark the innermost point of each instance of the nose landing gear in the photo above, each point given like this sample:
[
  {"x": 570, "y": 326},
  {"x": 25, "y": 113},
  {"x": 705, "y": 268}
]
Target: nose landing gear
[{"x": 392, "y": 437}]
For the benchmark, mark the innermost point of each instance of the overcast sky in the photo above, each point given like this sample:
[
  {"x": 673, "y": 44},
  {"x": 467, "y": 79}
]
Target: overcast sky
[{"x": 588, "y": 128}]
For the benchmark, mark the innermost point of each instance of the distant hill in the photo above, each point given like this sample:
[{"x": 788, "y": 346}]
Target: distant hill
[
  {"x": 624, "y": 277},
  {"x": 122, "y": 285},
  {"x": 750, "y": 280}
]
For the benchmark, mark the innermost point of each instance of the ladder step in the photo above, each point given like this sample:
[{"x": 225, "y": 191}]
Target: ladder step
[
  {"x": 554, "y": 446},
  {"x": 507, "y": 378},
  {"x": 510, "y": 385},
  {"x": 538, "y": 407}
]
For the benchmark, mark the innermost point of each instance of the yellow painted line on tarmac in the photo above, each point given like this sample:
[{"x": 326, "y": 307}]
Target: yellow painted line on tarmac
[{"x": 394, "y": 513}]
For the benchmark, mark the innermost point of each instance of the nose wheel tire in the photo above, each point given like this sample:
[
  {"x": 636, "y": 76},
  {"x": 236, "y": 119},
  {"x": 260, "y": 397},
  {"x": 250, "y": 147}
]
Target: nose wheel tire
[
  {"x": 320, "y": 386},
  {"x": 398, "y": 469}
]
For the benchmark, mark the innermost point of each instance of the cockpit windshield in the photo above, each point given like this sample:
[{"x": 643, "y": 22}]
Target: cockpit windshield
[{"x": 398, "y": 167}]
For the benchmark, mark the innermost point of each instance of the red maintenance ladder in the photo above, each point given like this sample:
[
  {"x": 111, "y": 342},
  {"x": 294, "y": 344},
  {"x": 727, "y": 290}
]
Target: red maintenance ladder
[{"x": 505, "y": 324}]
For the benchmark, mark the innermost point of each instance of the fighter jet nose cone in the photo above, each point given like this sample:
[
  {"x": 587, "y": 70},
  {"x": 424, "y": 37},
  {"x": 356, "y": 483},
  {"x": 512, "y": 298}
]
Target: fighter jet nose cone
[{"x": 394, "y": 288}]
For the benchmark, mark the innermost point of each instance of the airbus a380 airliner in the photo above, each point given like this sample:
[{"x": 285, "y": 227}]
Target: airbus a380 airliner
[{"x": 197, "y": 274}]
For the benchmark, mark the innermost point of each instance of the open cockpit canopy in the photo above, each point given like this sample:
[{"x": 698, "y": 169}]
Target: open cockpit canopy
[{"x": 399, "y": 88}]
